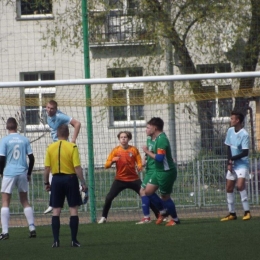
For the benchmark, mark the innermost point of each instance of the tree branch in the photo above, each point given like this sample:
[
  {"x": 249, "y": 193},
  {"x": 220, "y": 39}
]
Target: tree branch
[
  {"x": 188, "y": 29},
  {"x": 186, "y": 5},
  {"x": 252, "y": 48}
]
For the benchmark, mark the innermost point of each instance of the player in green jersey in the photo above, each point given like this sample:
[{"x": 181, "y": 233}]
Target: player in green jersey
[
  {"x": 165, "y": 172},
  {"x": 153, "y": 200}
]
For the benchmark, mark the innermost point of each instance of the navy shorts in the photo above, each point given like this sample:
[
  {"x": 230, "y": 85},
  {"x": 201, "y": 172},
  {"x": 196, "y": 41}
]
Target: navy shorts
[{"x": 65, "y": 185}]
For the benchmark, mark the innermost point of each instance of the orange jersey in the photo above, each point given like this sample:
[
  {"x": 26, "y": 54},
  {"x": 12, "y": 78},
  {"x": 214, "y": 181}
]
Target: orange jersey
[{"x": 126, "y": 165}]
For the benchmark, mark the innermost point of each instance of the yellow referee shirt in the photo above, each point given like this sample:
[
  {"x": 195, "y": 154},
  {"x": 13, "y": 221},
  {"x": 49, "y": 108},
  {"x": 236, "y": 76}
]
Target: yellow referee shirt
[{"x": 62, "y": 156}]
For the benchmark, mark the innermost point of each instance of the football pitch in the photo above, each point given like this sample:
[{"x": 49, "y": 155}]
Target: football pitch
[{"x": 192, "y": 239}]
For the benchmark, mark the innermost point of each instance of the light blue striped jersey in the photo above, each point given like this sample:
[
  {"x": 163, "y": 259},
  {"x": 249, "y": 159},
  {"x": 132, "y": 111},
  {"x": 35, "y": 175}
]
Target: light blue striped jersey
[
  {"x": 237, "y": 142},
  {"x": 15, "y": 148},
  {"x": 55, "y": 121}
]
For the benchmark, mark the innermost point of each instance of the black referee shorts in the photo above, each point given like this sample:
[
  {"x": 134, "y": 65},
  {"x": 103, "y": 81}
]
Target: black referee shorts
[{"x": 65, "y": 185}]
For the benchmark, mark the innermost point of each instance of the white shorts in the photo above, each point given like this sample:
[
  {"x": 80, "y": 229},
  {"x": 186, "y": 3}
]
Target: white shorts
[
  {"x": 235, "y": 174},
  {"x": 19, "y": 181}
]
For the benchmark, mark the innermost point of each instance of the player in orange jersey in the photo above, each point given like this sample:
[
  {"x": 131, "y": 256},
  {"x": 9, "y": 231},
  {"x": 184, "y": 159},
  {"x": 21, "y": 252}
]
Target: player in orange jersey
[{"x": 127, "y": 159}]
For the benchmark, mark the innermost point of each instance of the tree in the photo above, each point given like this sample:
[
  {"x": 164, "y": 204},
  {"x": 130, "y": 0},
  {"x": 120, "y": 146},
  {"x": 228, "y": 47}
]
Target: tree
[
  {"x": 199, "y": 31},
  {"x": 206, "y": 15},
  {"x": 252, "y": 49}
]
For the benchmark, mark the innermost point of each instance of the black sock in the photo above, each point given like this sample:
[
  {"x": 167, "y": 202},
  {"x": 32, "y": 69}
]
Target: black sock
[
  {"x": 55, "y": 223},
  {"x": 74, "y": 224}
]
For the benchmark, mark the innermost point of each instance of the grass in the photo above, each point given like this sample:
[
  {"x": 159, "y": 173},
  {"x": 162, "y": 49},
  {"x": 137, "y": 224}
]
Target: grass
[{"x": 193, "y": 239}]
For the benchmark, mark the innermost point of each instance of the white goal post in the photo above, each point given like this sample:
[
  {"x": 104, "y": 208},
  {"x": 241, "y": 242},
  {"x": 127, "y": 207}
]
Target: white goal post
[{"x": 182, "y": 77}]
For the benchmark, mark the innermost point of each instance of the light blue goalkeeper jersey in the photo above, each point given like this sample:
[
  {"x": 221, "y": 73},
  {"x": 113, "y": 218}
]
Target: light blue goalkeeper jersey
[
  {"x": 55, "y": 121},
  {"x": 15, "y": 148},
  {"x": 237, "y": 142}
]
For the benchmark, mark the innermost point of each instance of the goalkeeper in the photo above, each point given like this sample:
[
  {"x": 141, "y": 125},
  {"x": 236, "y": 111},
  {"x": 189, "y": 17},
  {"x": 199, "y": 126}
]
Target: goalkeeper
[{"x": 127, "y": 158}]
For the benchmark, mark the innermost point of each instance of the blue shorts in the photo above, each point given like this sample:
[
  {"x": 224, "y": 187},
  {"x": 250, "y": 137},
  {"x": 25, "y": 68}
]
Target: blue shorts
[{"x": 65, "y": 185}]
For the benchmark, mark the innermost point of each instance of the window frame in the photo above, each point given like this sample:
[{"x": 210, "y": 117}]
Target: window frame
[
  {"x": 125, "y": 9},
  {"x": 21, "y": 16},
  {"x": 127, "y": 87},
  {"x": 217, "y": 84},
  {"x": 40, "y": 91},
  {"x": 122, "y": 22}
]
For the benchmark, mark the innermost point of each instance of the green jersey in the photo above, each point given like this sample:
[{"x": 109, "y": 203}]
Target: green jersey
[
  {"x": 164, "y": 173},
  {"x": 162, "y": 146},
  {"x": 150, "y": 165}
]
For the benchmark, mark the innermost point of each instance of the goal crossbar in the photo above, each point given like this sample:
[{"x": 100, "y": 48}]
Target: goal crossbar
[{"x": 182, "y": 77}]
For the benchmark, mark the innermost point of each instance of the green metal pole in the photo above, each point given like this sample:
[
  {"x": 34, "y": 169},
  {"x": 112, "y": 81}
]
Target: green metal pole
[{"x": 91, "y": 179}]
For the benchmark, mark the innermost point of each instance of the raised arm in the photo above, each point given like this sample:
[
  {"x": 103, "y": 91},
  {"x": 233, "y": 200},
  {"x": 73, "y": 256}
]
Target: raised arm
[
  {"x": 76, "y": 124},
  {"x": 111, "y": 159},
  {"x": 158, "y": 156}
]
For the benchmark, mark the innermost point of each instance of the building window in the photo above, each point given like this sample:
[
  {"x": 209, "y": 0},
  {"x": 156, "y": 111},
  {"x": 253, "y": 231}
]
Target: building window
[
  {"x": 122, "y": 23},
  {"x": 218, "y": 107},
  {"x": 34, "y": 9},
  {"x": 123, "y": 5},
  {"x": 131, "y": 95},
  {"x": 36, "y": 99}
]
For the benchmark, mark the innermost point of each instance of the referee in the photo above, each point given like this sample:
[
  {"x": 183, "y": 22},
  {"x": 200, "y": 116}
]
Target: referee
[{"x": 62, "y": 159}]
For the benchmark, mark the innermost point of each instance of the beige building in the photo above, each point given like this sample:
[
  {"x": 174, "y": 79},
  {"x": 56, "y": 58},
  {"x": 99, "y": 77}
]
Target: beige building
[{"x": 120, "y": 46}]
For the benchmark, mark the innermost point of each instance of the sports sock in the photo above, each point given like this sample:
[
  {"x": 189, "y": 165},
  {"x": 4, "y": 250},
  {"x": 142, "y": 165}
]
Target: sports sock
[
  {"x": 244, "y": 200},
  {"x": 154, "y": 209},
  {"x": 231, "y": 202},
  {"x": 5, "y": 215},
  {"x": 74, "y": 224},
  {"x": 170, "y": 206},
  {"x": 28, "y": 212},
  {"x": 55, "y": 224},
  {"x": 157, "y": 201},
  {"x": 146, "y": 205}
]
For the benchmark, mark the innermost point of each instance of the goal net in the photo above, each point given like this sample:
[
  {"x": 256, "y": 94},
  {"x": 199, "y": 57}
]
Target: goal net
[
  {"x": 196, "y": 125},
  {"x": 129, "y": 48}
]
